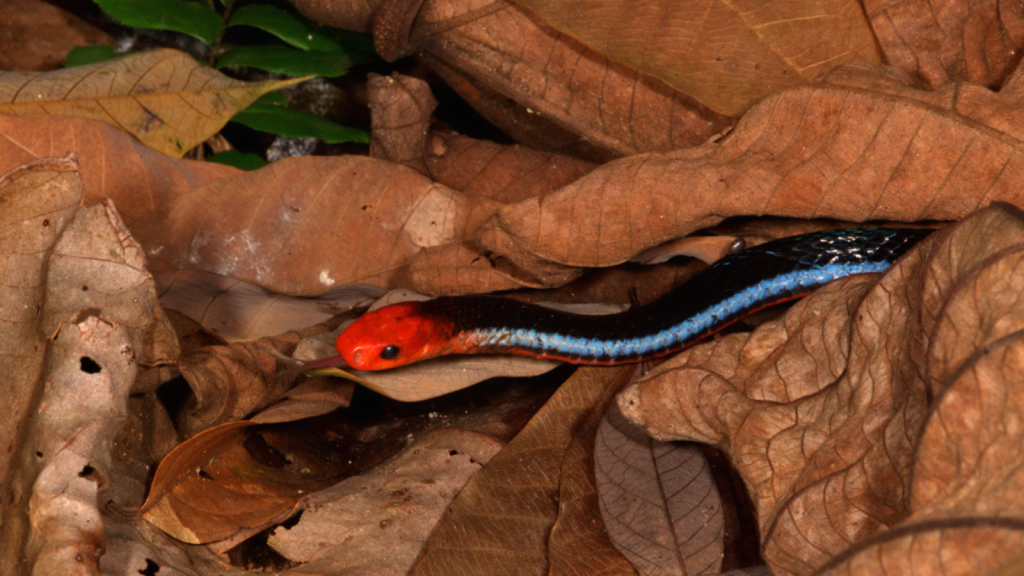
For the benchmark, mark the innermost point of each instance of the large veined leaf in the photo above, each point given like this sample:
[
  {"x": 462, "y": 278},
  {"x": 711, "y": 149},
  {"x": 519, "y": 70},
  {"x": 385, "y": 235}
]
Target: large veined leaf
[{"x": 165, "y": 98}]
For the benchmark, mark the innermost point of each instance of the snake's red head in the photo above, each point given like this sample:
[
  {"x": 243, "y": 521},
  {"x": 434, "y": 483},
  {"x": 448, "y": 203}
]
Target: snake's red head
[{"x": 392, "y": 336}]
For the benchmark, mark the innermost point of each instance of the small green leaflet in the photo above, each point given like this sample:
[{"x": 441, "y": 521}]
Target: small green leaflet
[{"x": 190, "y": 18}]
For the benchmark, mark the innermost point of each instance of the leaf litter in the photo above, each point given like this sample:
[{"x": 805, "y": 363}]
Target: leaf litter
[{"x": 884, "y": 404}]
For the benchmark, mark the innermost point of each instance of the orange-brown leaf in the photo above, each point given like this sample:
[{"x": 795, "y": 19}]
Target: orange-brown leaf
[{"x": 725, "y": 54}]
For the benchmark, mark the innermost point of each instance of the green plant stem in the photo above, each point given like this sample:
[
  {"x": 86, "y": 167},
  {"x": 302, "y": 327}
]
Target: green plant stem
[{"x": 215, "y": 49}]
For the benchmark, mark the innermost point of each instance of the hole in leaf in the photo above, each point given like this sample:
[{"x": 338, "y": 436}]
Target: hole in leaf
[
  {"x": 89, "y": 366},
  {"x": 86, "y": 471},
  {"x": 205, "y": 475},
  {"x": 151, "y": 568}
]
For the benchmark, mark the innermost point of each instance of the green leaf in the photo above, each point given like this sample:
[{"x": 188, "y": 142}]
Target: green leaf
[
  {"x": 81, "y": 55},
  {"x": 190, "y": 18},
  {"x": 284, "y": 60},
  {"x": 292, "y": 123},
  {"x": 292, "y": 28},
  {"x": 243, "y": 160}
]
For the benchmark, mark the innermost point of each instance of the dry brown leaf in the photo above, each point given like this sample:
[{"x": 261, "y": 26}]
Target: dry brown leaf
[
  {"x": 725, "y": 54},
  {"x": 551, "y": 81},
  {"x": 165, "y": 98},
  {"x": 376, "y": 523},
  {"x": 579, "y": 543},
  {"x": 501, "y": 520},
  {"x": 235, "y": 310},
  {"x": 402, "y": 107},
  {"x": 35, "y": 35},
  {"x": 304, "y": 225},
  {"x": 825, "y": 411},
  {"x": 863, "y": 146},
  {"x": 210, "y": 488},
  {"x": 942, "y": 42},
  {"x": 659, "y": 501},
  {"x": 114, "y": 165},
  {"x": 38, "y": 200},
  {"x": 314, "y": 397}
]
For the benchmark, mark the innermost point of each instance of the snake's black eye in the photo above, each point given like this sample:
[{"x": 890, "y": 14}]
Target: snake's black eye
[{"x": 390, "y": 352}]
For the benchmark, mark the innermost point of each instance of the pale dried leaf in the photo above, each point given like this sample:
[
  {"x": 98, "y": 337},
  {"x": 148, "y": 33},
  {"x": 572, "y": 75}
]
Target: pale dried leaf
[
  {"x": 236, "y": 310},
  {"x": 36, "y": 35},
  {"x": 375, "y": 524}
]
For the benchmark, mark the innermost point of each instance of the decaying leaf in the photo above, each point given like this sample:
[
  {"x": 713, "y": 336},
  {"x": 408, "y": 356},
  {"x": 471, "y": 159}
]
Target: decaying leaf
[
  {"x": 97, "y": 338},
  {"x": 870, "y": 413},
  {"x": 38, "y": 200},
  {"x": 502, "y": 518},
  {"x": 725, "y": 54},
  {"x": 165, "y": 98},
  {"x": 375, "y": 524},
  {"x": 865, "y": 145}
]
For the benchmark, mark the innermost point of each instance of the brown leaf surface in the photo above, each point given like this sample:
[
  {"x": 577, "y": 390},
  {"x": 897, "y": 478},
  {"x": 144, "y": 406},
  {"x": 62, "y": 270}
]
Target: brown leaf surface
[
  {"x": 375, "y": 524},
  {"x": 866, "y": 145},
  {"x": 658, "y": 500},
  {"x": 210, "y": 488},
  {"x": 303, "y": 225},
  {"x": 114, "y": 165},
  {"x": 38, "y": 202},
  {"x": 724, "y": 54},
  {"x": 825, "y": 412},
  {"x": 235, "y": 310},
  {"x": 579, "y": 543},
  {"x": 501, "y": 520},
  {"x": 35, "y": 35},
  {"x": 943, "y": 42},
  {"x": 505, "y": 52},
  {"x": 165, "y": 98}
]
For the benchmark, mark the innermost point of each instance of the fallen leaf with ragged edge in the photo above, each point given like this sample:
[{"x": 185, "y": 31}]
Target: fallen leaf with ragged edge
[
  {"x": 165, "y": 98},
  {"x": 375, "y": 523},
  {"x": 825, "y": 412}
]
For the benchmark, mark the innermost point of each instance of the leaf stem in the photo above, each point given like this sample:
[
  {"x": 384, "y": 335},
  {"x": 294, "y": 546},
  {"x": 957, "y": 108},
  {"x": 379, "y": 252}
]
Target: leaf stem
[{"x": 215, "y": 49}]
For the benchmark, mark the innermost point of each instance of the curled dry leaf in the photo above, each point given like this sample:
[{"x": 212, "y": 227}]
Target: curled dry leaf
[
  {"x": 658, "y": 500},
  {"x": 943, "y": 42},
  {"x": 304, "y": 225},
  {"x": 502, "y": 518},
  {"x": 165, "y": 98},
  {"x": 210, "y": 488},
  {"x": 376, "y": 523},
  {"x": 865, "y": 145},
  {"x": 492, "y": 50},
  {"x": 726, "y": 55},
  {"x": 114, "y": 165},
  {"x": 825, "y": 412},
  {"x": 236, "y": 310}
]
